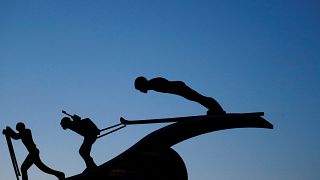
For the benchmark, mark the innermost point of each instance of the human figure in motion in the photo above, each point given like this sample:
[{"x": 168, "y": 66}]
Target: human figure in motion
[
  {"x": 163, "y": 85},
  {"x": 89, "y": 131},
  {"x": 33, "y": 156}
]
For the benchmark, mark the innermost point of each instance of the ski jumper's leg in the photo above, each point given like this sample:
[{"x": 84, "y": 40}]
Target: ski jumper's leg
[
  {"x": 85, "y": 150},
  {"x": 180, "y": 88}
]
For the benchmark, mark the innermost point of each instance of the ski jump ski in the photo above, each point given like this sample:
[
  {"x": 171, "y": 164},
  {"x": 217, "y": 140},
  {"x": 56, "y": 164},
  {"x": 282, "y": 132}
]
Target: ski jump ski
[{"x": 187, "y": 118}]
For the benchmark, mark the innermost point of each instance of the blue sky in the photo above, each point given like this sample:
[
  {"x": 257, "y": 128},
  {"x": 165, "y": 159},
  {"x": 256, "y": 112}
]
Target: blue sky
[{"x": 83, "y": 56}]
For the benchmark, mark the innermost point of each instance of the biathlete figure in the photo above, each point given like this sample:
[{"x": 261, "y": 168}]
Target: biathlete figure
[
  {"x": 179, "y": 88},
  {"x": 33, "y": 156},
  {"x": 89, "y": 131}
]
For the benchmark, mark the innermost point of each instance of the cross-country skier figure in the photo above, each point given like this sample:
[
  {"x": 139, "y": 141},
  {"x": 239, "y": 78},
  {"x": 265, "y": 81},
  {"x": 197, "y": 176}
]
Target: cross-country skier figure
[
  {"x": 163, "y": 85},
  {"x": 89, "y": 131},
  {"x": 33, "y": 156}
]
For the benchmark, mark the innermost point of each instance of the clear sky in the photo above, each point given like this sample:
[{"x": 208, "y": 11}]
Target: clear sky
[{"x": 83, "y": 56}]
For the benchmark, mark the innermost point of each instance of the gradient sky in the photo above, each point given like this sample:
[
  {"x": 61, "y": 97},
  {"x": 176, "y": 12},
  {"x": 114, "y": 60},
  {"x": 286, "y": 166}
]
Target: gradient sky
[{"x": 83, "y": 56}]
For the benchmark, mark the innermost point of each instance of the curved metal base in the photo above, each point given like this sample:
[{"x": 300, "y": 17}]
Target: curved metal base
[{"x": 161, "y": 164}]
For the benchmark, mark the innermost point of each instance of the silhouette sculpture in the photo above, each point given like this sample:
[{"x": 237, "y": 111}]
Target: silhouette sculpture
[
  {"x": 87, "y": 129},
  {"x": 163, "y": 85},
  {"x": 151, "y": 158},
  {"x": 33, "y": 156}
]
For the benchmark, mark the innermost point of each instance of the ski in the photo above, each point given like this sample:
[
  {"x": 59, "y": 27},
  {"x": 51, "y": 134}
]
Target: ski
[
  {"x": 13, "y": 157},
  {"x": 186, "y": 118}
]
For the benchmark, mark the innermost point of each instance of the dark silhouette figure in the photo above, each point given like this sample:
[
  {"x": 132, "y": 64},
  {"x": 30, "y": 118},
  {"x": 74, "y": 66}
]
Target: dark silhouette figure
[
  {"x": 87, "y": 129},
  {"x": 33, "y": 156},
  {"x": 163, "y": 85}
]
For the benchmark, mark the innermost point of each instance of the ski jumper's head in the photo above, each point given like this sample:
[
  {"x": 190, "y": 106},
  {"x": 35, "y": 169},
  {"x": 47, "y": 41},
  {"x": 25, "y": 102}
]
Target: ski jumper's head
[
  {"x": 65, "y": 122},
  {"x": 141, "y": 84},
  {"x": 20, "y": 126}
]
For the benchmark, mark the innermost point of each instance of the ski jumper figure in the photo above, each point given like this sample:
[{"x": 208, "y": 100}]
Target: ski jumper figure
[
  {"x": 163, "y": 85},
  {"x": 89, "y": 131},
  {"x": 33, "y": 156}
]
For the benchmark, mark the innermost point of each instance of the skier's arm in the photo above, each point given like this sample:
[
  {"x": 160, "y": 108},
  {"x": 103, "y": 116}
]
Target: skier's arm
[{"x": 8, "y": 131}]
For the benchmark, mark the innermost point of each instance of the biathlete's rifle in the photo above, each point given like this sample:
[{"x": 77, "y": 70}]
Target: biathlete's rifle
[
  {"x": 13, "y": 156},
  {"x": 64, "y": 112},
  {"x": 104, "y": 129}
]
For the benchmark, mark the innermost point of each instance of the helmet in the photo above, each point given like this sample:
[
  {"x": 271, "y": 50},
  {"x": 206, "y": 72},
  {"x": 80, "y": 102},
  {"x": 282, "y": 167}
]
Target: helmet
[
  {"x": 65, "y": 122},
  {"x": 20, "y": 126}
]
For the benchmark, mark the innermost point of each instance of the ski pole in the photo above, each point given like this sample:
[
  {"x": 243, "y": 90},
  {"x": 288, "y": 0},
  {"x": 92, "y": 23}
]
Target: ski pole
[
  {"x": 110, "y": 127},
  {"x": 111, "y": 131}
]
